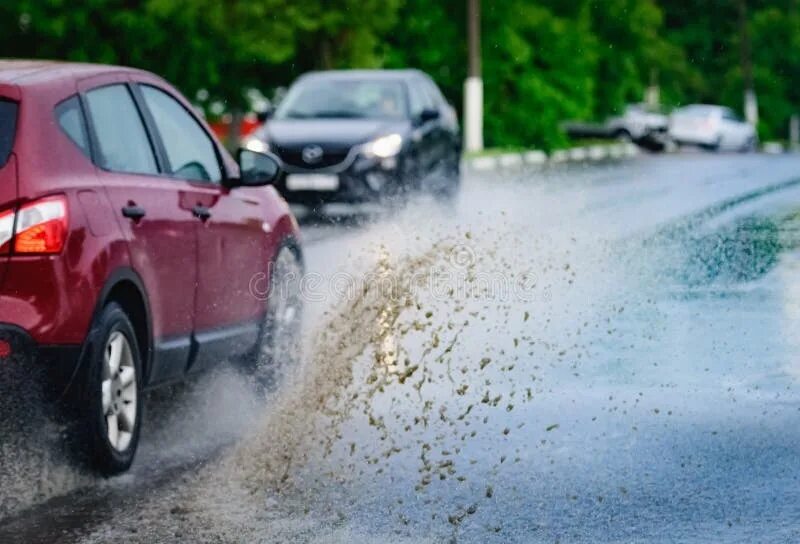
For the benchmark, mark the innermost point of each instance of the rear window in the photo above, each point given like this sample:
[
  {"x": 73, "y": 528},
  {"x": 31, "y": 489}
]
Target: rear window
[
  {"x": 8, "y": 126},
  {"x": 696, "y": 111},
  {"x": 70, "y": 119}
]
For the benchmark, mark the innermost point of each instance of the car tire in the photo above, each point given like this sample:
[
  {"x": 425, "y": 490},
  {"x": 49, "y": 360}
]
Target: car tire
[
  {"x": 749, "y": 146},
  {"x": 110, "y": 403},
  {"x": 715, "y": 147},
  {"x": 277, "y": 349},
  {"x": 407, "y": 183},
  {"x": 451, "y": 183},
  {"x": 623, "y": 135}
]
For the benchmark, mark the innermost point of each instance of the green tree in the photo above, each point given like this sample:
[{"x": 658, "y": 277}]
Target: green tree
[
  {"x": 223, "y": 47},
  {"x": 631, "y": 51},
  {"x": 431, "y": 36},
  {"x": 776, "y": 60},
  {"x": 538, "y": 71}
]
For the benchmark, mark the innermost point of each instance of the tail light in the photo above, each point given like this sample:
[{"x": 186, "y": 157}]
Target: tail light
[
  {"x": 709, "y": 123},
  {"x": 38, "y": 227}
]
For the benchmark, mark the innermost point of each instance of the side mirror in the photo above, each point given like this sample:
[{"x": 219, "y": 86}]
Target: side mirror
[
  {"x": 428, "y": 114},
  {"x": 256, "y": 169}
]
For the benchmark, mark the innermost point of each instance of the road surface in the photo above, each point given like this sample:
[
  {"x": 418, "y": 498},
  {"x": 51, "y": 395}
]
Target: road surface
[{"x": 604, "y": 353}]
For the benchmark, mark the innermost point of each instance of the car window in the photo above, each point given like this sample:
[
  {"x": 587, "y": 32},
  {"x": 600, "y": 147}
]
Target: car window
[
  {"x": 418, "y": 99},
  {"x": 123, "y": 145},
  {"x": 695, "y": 111},
  {"x": 8, "y": 126},
  {"x": 70, "y": 120},
  {"x": 729, "y": 115},
  {"x": 433, "y": 92},
  {"x": 190, "y": 151}
]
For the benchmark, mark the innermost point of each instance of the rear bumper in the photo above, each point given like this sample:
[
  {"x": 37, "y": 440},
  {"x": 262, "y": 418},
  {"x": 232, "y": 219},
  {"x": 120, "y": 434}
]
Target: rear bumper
[{"x": 44, "y": 372}]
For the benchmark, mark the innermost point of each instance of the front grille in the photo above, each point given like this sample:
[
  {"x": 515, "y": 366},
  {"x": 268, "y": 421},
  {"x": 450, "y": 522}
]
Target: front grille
[{"x": 294, "y": 157}]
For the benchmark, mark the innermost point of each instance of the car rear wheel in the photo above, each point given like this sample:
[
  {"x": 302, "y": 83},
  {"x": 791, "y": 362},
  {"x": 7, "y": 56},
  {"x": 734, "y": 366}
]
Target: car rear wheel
[
  {"x": 278, "y": 347},
  {"x": 110, "y": 402},
  {"x": 749, "y": 146}
]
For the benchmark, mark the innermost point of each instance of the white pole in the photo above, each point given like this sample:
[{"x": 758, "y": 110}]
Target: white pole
[
  {"x": 473, "y": 114},
  {"x": 473, "y": 86},
  {"x": 751, "y": 107}
]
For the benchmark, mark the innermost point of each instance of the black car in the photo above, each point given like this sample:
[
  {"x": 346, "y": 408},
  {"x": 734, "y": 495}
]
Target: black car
[{"x": 362, "y": 135}]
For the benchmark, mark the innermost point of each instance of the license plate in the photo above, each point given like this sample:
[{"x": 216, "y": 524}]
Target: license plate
[{"x": 312, "y": 182}]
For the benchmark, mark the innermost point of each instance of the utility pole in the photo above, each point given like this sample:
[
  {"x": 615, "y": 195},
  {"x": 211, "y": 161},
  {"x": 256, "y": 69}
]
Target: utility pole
[
  {"x": 750, "y": 100},
  {"x": 652, "y": 96},
  {"x": 473, "y": 86}
]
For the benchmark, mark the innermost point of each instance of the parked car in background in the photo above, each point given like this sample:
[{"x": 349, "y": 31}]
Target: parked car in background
[
  {"x": 638, "y": 122},
  {"x": 129, "y": 242},
  {"x": 361, "y": 136},
  {"x": 711, "y": 127},
  {"x": 642, "y": 124}
]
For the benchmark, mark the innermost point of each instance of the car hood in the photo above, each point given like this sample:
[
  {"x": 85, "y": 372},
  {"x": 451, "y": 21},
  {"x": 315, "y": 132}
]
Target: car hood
[{"x": 328, "y": 133}]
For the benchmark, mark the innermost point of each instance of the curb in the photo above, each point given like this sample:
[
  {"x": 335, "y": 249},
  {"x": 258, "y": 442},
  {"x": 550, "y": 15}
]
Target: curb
[{"x": 537, "y": 158}]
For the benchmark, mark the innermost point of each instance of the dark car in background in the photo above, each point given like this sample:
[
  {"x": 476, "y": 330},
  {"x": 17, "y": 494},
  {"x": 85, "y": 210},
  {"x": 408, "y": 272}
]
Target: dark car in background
[
  {"x": 361, "y": 136},
  {"x": 130, "y": 242}
]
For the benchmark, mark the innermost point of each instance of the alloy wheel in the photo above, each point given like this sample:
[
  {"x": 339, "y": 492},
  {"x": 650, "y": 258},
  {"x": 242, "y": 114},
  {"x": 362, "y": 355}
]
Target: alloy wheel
[{"x": 119, "y": 391}]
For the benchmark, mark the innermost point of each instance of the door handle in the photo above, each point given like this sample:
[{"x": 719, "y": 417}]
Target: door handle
[
  {"x": 133, "y": 211},
  {"x": 201, "y": 212}
]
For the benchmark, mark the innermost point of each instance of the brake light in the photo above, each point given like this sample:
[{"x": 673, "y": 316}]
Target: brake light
[
  {"x": 5, "y": 349},
  {"x": 38, "y": 227}
]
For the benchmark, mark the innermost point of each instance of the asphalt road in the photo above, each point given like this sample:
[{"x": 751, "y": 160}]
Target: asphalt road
[{"x": 604, "y": 353}]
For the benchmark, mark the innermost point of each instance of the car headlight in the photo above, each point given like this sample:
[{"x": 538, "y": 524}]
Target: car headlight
[
  {"x": 384, "y": 147},
  {"x": 257, "y": 145}
]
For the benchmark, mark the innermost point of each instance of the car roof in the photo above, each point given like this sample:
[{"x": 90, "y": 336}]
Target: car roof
[
  {"x": 389, "y": 75},
  {"x": 34, "y": 72}
]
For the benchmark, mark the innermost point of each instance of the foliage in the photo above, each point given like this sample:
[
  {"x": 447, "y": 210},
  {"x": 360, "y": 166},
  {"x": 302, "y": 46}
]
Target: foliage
[{"x": 544, "y": 61}]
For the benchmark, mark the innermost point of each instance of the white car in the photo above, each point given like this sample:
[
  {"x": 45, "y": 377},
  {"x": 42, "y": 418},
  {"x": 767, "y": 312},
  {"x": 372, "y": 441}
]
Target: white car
[
  {"x": 638, "y": 121},
  {"x": 711, "y": 127}
]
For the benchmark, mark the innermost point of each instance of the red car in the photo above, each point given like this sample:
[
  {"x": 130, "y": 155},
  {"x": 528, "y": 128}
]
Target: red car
[{"x": 133, "y": 249}]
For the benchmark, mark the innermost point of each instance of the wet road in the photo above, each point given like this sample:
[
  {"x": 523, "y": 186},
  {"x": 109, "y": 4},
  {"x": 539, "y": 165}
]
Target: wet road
[{"x": 586, "y": 354}]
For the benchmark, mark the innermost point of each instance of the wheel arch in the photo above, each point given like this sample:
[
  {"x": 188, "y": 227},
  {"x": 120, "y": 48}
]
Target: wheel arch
[{"x": 125, "y": 287}]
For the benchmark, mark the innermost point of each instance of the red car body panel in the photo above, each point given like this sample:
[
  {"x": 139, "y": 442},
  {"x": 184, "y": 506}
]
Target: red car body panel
[
  {"x": 194, "y": 275},
  {"x": 8, "y": 194}
]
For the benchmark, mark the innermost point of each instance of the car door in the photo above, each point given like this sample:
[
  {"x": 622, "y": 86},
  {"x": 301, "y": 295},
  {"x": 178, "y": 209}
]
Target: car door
[
  {"x": 233, "y": 239},
  {"x": 160, "y": 230}
]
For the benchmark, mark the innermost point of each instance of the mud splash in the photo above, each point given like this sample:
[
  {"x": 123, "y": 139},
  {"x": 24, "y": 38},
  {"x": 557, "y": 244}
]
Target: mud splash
[
  {"x": 33, "y": 467},
  {"x": 399, "y": 375}
]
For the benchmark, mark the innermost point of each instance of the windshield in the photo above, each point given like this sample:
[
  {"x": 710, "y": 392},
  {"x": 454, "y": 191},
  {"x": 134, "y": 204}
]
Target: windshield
[{"x": 344, "y": 99}]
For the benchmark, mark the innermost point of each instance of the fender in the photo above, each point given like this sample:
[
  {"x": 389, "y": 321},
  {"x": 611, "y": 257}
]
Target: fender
[{"x": 118, "y": 276}]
